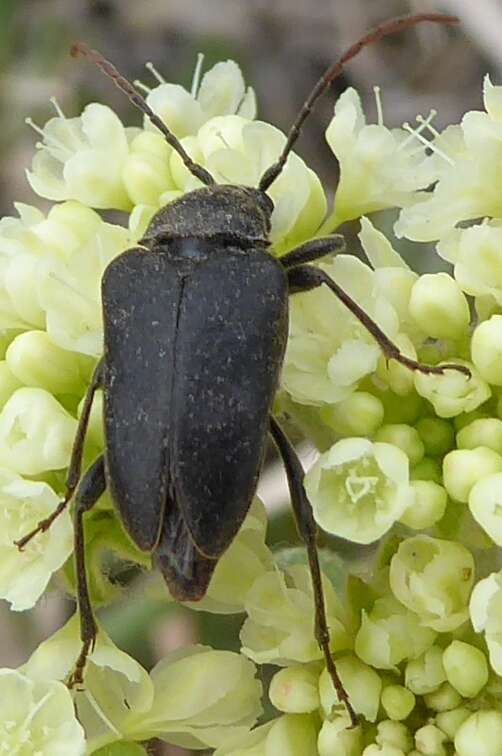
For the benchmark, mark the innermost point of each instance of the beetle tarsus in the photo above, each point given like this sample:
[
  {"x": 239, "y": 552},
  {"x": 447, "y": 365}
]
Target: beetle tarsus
[{"x": 44, "y": 525}]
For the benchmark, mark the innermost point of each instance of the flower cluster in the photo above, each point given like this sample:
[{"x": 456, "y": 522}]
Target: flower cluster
[{"x": 408, "y": 462}]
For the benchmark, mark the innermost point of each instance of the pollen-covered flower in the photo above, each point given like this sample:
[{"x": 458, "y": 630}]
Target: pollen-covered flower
[
  {"x": 37, "y": 718},
  {"x": 358, "y": 489}
]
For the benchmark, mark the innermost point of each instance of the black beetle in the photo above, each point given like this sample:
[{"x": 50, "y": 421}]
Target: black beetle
[{"x": 195, "y": 328}]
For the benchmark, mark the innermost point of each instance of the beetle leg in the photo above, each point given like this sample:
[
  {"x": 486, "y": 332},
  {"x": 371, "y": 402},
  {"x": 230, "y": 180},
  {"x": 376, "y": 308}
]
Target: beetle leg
[
  {"x": 75, "y": 467},
  {"x": 306, "y": 277},
  {"x": 307, "y": 530},
  {"x": 90, "y": 488},
  {"x": 313, "y": 250}
]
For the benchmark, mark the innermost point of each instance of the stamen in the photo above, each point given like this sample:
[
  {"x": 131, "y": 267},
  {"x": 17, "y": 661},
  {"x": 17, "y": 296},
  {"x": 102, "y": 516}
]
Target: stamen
[
  {"x": 57, "y": 107},
  {"x": 139, "y": 85},
  {"x": 30, "y": 122},
  {"x": 418, "y": 130},
  {"x": 416, "y": 133},
  {"x": 427, "y": 122},
  {"x": 155, "y": 73},
  {"x": 378, "y": 101},
  {"x": 219, "y": 134},
  {"x": 197, "y": 75},
  {"x": 48, "y": 139}
]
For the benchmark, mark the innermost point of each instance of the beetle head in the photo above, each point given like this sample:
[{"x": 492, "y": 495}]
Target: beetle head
[{"x": 236, "y": 213}]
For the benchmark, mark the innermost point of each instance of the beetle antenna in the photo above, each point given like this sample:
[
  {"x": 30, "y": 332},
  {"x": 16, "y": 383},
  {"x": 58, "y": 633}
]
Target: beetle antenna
[
  {"x": 392, "y": 26},
  {"x": 80, "y": 48}
]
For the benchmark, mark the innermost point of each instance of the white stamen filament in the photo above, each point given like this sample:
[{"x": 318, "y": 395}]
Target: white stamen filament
[
  {"x": 155, "y": 73},
  {"x": 428, "y": 121},
  {"x": 418, "y": 130},
  {"x": 48, "y": 138},
  {"x": 416, "y": 133},
  {"x": 142, "y": 87},
  {"x": 379, "y": 108},
  {"x": 197, "y": 75},
  {"x": 57, "y": 107}
]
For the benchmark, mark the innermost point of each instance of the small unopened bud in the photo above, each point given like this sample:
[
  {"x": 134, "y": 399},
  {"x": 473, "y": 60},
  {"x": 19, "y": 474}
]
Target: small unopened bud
[
  {"x": 481, "y": 733},
  {"x": 439, "y": 307},
  {"x": 466, "y": 668},
  {"x": 294, "y": 690},
  {"x": 462, "y": 468},
  {"x": 397, "y": 701}
]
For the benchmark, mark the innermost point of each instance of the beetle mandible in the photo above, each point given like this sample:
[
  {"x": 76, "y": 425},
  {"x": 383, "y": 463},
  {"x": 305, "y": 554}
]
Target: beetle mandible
[{"x": 195, "y": 329}]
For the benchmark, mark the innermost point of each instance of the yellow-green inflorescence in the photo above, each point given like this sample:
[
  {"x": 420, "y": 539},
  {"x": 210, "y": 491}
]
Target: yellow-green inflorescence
[{"x": 410, "y": 465}]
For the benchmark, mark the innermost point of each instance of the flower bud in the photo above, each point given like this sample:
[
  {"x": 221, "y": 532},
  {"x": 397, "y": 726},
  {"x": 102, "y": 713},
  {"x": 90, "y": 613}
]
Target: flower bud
[
  {"x": 294, "y": 690},
  {"x": 484, "y": 503},
  {"x": 398, "y": 702},
  {"x": 429, "y": 741},
  {"x": 486, "y": 431},
  {"x": 425, "y": 674},
  {"x": 405, "y": 437},
  {"x": 433, "y": 578},
  {"x": 439, "y": 306},
  {"x": 427, "y": 469},
  {"x": 394, "y": 734},
  {"x": 466, "y": 668},
  {"x": 443, "y": 698},
  {"x": 36, "y": 433},
  {"x": 146, "y": 172},
  {"x": 398, "y": 378},
  {"x": 362, "y": 683},
  {"x": 337, "y": 738},
  {"x": 437, "y": 435},
  {"x": 382, "y": 750},
  {"x": 429, "y": 505},
  {"x": 36, "y": 361},
  {"x": 486, "y": 349},
  {"x": 360, "y": 414},
  {"x": 481, "y": 733},
  {"x": 450, "y": 721},
  {"x": 462, "y": 468}
]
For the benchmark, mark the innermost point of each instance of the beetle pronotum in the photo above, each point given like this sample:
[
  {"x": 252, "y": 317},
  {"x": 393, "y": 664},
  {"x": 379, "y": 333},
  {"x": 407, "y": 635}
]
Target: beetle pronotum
[{"x": 195, "y": 327}]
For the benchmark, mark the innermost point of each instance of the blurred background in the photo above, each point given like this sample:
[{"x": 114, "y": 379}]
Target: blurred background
[{"x": 283, "y": 46}]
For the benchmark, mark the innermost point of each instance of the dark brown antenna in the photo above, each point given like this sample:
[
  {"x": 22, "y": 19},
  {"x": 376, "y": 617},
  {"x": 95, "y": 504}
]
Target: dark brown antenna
[
  {"x": 392, "y": 26},
  {"x": 80, "y": 48}
]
